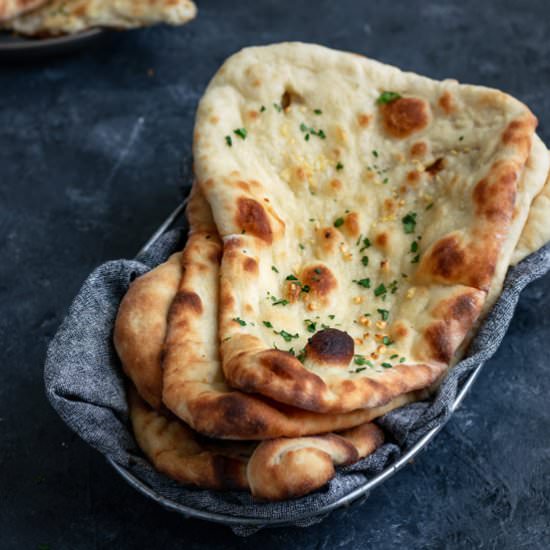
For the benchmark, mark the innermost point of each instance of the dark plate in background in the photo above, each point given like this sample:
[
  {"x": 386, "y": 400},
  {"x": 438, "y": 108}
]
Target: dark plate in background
[{"x": 19, "y": 47}]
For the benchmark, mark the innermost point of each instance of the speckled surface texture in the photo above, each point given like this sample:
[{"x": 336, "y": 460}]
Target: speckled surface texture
[{"x": 93, "y": 151}]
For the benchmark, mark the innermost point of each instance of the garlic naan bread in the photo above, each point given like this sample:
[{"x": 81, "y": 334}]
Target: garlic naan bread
[
  {"x": 273, "y": 470},
  {"x": 13, "y": 8},
  {"x": 537, "y": 229},
  {"x": 140, "y": 327},
  {"x": 365, "y": 214},
  {"x": 71, "y": 16},
  {"x": 194, "y": 387}
]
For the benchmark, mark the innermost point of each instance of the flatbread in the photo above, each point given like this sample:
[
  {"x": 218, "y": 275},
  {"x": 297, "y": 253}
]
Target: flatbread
[
  {"x": 537, "y": 229},
  {"x": 13, "y": 8},
  {"x": 349, "y": 194},
  {"x": 194, "y": 386},
  {"x": 176, "y": 450},
  {"x": 273, "y": 470},
  {"x": 71, "y": 16},
  {"x": 140, "y": 327}
]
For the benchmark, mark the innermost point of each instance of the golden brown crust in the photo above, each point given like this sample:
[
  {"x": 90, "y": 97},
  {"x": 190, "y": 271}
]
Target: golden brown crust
[
  {"x": 13, "y": 8},
  {"x": 282, "y": 468},
  {"x": 176, "y": 451},
  {"x": 366, "y": 438},
  {"x": 274, "y": 470},
  {"x": 140, "y": 327},
  {"x": 288, "y": 468}
]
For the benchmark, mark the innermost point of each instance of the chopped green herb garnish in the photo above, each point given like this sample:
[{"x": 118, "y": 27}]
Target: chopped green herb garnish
[
  {"x": 409, "y": 222},
  {"x": 262, "y": 108},
  {"x": 361, "y": 360},
  {"x": 229, "y": 141},
  {"x": 331, "y": 317},
  {"x": 360, "y": 369},
  {"x": 318, "y": 271},
  {"x": 402, "y": 360},
  {"x": 393, "y": 286},
  {"x": 387, "y": 97},
  {"x": 339, "y": 166},
  {"x": 309, "y": 130},
  {"x": 241, "y": 132},
  {"x": 301, "y": 356},
  {"x": 278, "y": 108},
  {"x": 366, "y": 244},
  {"x": 338, "y": 222},
  {"x": 460, "y": 138},
  {"x": 385, "y": 180},
  {"x": 416, "y": 259},
  {"x": 394, "y": 356},
  {"x": 286, "y": 335},
  {"x": 273, "y": 268},
  {"x": 365, "y": 283},
  {"x": 240, "y": 321},
  {"x": 430, "y": 206},
  {"x": 311, "y": 326},
  {"x": 281, "y": 302},
  {"x": 384, "y": 314},
  {"x": 380, "y": 290},
  {"x": 302, "y": 247},
  {"x": 387, "y": 365},
  {"x": 375, "y": 153},
  {"x": 414, "y": 246},
  {"x": 291, "y": 278},
  {"x": 306, "y": 288},
  {"x": 387, "y": 341},
  {"x": 318, "y": 111},
  {"x": 365, "y": 260},
  {"x": 267, "y": 324}
]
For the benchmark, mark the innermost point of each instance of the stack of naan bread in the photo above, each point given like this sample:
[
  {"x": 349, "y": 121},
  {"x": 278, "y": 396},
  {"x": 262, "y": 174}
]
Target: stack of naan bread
[
  {"x": 56, "y": 17},
  {"x": 350, "y": 225}
]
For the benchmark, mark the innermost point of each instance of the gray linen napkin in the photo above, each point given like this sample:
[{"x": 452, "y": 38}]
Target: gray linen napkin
[{"x": 84, "y": 384}]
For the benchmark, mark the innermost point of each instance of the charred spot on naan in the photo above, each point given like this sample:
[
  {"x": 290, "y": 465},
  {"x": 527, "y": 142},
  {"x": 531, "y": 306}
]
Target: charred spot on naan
[
  {"x": 447, "y": 103},
  {"x": 453, "y": 318},
  {"x": 320, "y": 280},
  {"x": 519, "y": 134},
  {"x": 327, "y": 239},
  {"x": 252, "y": 219},
  {"x": 330, "y": 347},
  {"x": 351, "y": 224},
  {"x": 222, "y": 415},
  {"x": 250, "y": 265},
  {"x": 404, "y": 116},
  {"x": 363, "y": 120},
  {"x": 436, "y": 166},
  {"x": 419, "y": 149},
  {"x": 453, "y": 261},
  {"x": 495, "y": 195},
  {"x": 185, "y": 300}
]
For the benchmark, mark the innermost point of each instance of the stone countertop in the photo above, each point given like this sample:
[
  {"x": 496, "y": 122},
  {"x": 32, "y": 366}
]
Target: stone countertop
[{"x": 94, "y": 149}]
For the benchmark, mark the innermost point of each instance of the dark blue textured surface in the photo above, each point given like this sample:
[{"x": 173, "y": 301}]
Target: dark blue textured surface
[{"x": 93, "y": 151}]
